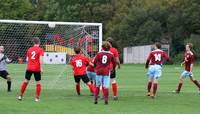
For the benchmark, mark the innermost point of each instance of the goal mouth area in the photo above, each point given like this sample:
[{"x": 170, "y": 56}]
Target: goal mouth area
[{"x": 16, "y": 37}]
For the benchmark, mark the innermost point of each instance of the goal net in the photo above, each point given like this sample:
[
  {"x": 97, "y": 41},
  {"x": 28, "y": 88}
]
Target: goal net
[{"x": 56, "y": 37}]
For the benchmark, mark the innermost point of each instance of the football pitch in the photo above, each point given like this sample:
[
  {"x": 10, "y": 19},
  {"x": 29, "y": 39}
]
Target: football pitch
[{"x": 58, "y": 93}]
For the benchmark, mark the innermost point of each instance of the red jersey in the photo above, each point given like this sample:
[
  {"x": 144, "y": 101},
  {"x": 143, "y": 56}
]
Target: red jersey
[
  {"x": 156, "y": 57},
  {"x": 79, "y": 64},
  {"x": 33, "y": 57},
  {"x": 189, "y": 59},
  {"x": 115, "y": 53},
  {"x": 102, "y": 63},
  {"x": 90, "y": 68}
]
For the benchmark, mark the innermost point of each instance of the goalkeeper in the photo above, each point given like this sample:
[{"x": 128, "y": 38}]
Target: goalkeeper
[{"x": 3, "y": 72}]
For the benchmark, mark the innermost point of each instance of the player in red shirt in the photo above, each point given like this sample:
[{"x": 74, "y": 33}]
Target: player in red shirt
[
  {"x": 189, "y": 62},
  {"x": 154, "y": 64},
  {"x": 79, "y": 64},
  {"x": 102, "y": 63},
  {"x": 34, "y": 66},
  {"x": 115, "y": 52}
]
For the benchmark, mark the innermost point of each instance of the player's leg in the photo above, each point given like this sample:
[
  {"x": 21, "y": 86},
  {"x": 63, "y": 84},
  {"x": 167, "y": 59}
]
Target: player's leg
[
  {"x": 150, "y": 75},
  {"x": 106, "y": 83},
  {"x": 24, "y": 84},
  {"x": 194, "y": 80},
  {"x": 157, "y": 75},
  {"x": 155, "y": 86},
  {"x": 9, "y": 83},
  {"x": 180, "y": 83},
  {"x": 93, "y": 78},
  {"x": 97, "y": 88},
  {"x": 114, "y": 84},
  {"x": 89, "y": 74},
  {"x": 149, "y": 85},
  {"x": 77, "y": 81},
  {"x": 4, "y": 74},
  {"x": 88, "y": 83},
  {"x": 37, "y": 76}
]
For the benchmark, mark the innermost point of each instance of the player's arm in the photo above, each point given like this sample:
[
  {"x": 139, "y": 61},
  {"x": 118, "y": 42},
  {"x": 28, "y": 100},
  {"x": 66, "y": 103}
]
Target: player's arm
[
  {"x": 182, "y": 63},
  {"x": 8, "y": 60},
  {"x": 41, "y": 63},
  {"x": 116, "y": 55},
  {"x": 27, "y": 55},
  {"x": 117, "y": 62},
  {"x": 88, "y": 61},
  {"x": 91, "y": 64},
  {"x": 191, "y": 67},
  {"x": 192, "y": 63},
  {"x": 166, "y": 58},
  {"x": 95, "y": 60},
  {"x": 71, "y": 63},
  {"x": 148, "y": 61},
  {"x": 41, "y": 60},
  {"x": 114, "y": 61}
]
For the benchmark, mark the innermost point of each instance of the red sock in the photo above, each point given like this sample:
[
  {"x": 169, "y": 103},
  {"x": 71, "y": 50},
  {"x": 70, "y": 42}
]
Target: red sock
[
  {"x": 106, "y": 93},
  {"x": 155, "y": 88},
  {"x": 78, "y": 90},
  {"x": 96, "y": 94},
  {"x": 91, "y": 87},
  {"x": 114, "y": 88},
  {"x": 196, "y": 83},
  {"x": 149, "y": 86},
  {"x": 179, "y": 87},
  {"x": 38, "y": 90},
  {"x": 23, "y": 88}
]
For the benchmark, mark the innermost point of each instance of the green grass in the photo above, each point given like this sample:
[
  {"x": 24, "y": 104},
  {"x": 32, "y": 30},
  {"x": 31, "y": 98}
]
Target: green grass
[{"x": 58, "y": 95}]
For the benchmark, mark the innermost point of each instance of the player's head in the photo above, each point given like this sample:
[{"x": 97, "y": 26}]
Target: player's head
[
  {"x": 110, "y": 40},
  {"x": 1, "y": 49},
  {"x": 77, "y": 50},
  {"x": 188, "y": 46},
  {"x": 36, "y": 40},
  {"x": 106, "y": 46},
  {"x": 157, "y": 45}
]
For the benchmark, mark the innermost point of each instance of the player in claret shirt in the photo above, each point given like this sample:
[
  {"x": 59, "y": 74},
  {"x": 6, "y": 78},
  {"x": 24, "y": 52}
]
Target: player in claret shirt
[
  {"x": 154, "y": 64},
  {"x": 79, "y": 64},
  {"x": 102, "y": 63},
  {"x": 189, "y": 62},
  {"x": 34, "y": 66}
]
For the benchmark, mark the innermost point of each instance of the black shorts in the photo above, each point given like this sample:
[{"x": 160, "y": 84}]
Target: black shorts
[
  {"x": 84, "y": 78},
  {"x": 4, "y": 74},
  {"x": 37, "y": 75},
  {"x": 113, "y": 74}
]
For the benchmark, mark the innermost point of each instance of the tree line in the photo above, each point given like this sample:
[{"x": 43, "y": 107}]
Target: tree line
[{"x": 129, "y": 22}]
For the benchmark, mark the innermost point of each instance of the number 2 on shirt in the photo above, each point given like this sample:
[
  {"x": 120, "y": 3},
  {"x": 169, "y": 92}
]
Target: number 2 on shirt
[{"x": 33, "y": 55}]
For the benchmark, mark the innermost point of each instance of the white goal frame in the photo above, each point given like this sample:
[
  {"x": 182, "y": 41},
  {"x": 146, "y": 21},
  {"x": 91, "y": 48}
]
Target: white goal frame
[{"x": 60, "y": 23}]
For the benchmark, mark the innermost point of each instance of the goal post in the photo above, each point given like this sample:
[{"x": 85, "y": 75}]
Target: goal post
[{"x": 56, "y": 37}]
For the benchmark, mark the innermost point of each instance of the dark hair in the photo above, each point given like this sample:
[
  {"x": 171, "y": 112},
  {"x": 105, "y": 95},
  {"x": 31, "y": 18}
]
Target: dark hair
[
  {"x": 106, "y": 46},
  {"x": 110, "y": 40},
  {"x": 190, "y": 45},
  {"x": 158, "y": 45},
  {"x": 36, "y": 40},
  {"x": 77, "y": 50}
]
